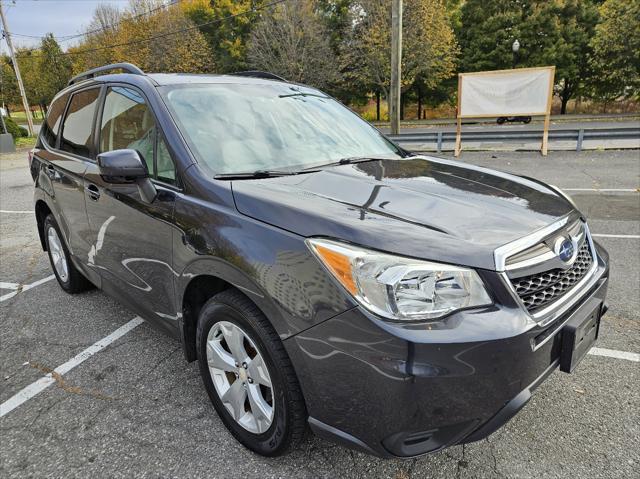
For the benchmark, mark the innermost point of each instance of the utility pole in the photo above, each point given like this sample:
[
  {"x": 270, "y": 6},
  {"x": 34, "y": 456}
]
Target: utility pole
[
  {"x": 396, "y": 60},
  {"x": 25, "y": 103}
]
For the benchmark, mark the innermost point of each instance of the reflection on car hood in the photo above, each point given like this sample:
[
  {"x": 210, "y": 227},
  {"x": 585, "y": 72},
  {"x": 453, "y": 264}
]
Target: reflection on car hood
[{"x": 423, "y": 207}]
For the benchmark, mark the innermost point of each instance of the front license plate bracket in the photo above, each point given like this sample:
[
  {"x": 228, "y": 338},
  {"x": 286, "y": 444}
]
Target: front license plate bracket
[{"x": 578, "y": 335}]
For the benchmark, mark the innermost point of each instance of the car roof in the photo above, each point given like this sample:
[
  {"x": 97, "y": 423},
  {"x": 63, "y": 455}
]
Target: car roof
[
  {"x": 165, "y": 79},
  {"x": 182, "y": 78}
]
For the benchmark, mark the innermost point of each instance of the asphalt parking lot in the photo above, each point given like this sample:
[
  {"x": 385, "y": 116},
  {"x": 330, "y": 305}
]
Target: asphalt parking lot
[{"x": 136, "y": 408}]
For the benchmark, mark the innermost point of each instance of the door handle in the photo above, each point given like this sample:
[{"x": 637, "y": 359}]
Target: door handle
[{"x": 93, "y": 192}]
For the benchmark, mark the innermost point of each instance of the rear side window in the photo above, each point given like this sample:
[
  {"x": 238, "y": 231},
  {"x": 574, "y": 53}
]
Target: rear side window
[
  {"x": 76, "y": 130},
  {"x": 51, "y": 126}
]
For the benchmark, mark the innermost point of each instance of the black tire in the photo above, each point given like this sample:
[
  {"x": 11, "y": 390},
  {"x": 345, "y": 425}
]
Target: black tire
[
  {"x": 290, "y": 415},
  {"x": 501, "y": 120},
  {"x": 75, "y": 282},
  {"x": 527, "y": 120}
]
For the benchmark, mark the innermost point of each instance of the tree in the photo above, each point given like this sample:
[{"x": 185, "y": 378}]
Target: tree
[
  {"x": 54, "y": 70},
  {"x": 177, "y": 44},
  {"x": 291, "y": 40},
  {"x": 9, "y": 93},
  {"x": 563, "y": 30},
  {"x": 550, "y": 32},
  {"x": 227, "y": 29},
  {"x": 29, "y": 61},
  {"x": 488, "y": 31},
  {"x": 616, "y": 50},
  {"x": 429, "y": 47}
]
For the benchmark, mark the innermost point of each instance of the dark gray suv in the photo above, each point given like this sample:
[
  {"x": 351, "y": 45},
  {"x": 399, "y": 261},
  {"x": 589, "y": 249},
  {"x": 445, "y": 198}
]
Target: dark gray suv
[{"x": 321, "y": 275}]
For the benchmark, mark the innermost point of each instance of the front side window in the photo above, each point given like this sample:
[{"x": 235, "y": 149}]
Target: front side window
[
  {"x": 165, "y": 166},
  {"x": 51, "y": 125},
  {"x": 233, "y": 128},
  {"x": 127, "y": 122},
  {"x": 78, "y": 123}
]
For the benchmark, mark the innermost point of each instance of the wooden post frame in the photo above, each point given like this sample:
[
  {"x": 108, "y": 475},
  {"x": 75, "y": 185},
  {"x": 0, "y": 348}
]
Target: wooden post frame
[
  {"x": 487, "y": 99},
  {"x": 547, "y": 117},
  {"x": 458, "y": 120}
]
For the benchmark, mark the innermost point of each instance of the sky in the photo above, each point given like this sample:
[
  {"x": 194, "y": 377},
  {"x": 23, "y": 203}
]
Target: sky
[{"x": 38, "y": 17}]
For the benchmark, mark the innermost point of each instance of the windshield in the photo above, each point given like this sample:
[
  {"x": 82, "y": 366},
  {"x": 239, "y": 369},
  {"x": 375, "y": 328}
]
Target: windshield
[{"x": 235, "y": 128}]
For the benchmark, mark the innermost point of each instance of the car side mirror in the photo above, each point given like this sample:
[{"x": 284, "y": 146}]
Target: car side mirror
[{"x": 126, "y": 166}]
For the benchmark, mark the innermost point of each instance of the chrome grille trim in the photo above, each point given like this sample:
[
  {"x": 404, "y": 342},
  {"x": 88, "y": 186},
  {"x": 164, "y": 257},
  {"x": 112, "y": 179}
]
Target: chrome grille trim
[
  {"x": 541, "y": 289},
  {"x": 558, "y": 307},
  {"x": 501, "y": 254}
]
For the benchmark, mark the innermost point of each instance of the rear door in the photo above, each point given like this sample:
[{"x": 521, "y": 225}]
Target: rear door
[
  {"x": 68, "y": 148},
  {"x": 132, "y": 240}
]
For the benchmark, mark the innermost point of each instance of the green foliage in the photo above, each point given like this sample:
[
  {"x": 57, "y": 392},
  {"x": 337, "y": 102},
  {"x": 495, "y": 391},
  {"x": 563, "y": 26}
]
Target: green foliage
[
  {"x": 227, "y": 32},
  {"x": 616, "y": 50},
  {"x": 343, "y": 46},
  {"x": 186, "y": 50},
  {"x": 569, "y": 25},
  {"x": 9, "y": 93},
  {"x": 429, "y": 46},
  {"x": 550, "y": 32},
  {"x": 14, "y": 129},
  {"x": 53, "y": 70}
]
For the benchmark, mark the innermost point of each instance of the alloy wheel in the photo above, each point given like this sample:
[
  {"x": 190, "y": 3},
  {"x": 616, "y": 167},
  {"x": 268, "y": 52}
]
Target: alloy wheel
[
  {"x": 240, "y": 376},
  {"x": 58, "y": 257}
]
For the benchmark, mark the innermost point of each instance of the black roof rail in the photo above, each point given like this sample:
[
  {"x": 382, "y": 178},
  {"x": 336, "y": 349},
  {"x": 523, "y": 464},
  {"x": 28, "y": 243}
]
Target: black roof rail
[
  {"x": 259, "y": 74},
  {"x": 127, "y": 67}
]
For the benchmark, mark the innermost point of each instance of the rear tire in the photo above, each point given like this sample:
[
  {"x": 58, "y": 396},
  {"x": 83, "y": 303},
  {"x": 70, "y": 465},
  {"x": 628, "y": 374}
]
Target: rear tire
[
  {"x": 231, "y": 316},
  {"x": 68, "y": 276}
]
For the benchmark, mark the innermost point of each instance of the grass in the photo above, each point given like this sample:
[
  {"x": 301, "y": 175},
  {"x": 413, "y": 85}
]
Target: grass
[
  {"x": 21, "y": 118},
  {"x": 25, "y": 142}
]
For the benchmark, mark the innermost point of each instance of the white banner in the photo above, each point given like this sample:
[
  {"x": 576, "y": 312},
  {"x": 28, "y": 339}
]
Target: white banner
[{"x": 524, "y": 91}]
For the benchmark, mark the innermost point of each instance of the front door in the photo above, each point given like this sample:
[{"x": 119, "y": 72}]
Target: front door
[{"x": 132, "y": 245}]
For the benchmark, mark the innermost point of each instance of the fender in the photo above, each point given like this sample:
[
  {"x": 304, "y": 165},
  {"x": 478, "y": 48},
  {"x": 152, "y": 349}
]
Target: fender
[{"x": 225, "y": 271}]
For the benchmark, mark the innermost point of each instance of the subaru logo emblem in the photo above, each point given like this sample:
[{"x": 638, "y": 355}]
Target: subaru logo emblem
[{"x": 565, "y": 250}]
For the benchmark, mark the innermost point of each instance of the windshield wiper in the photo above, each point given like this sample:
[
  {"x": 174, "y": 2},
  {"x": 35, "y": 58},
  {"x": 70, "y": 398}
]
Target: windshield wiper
[
  {"x": 289, "y": 95},
  {"x": 349, "y": 160},
  {"x": 250, "y": 175}
]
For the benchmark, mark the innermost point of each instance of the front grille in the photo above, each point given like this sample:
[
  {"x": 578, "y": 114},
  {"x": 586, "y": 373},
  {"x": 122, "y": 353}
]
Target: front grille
[{"x": 540, "y": 290}]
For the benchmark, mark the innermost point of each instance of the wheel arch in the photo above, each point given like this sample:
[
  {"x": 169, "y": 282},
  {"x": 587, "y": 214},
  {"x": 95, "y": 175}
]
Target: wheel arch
[
  {"x": 201, "y": 282},
  {"x": 42, "y": 210},
  {"x": 197, "y": 292}
]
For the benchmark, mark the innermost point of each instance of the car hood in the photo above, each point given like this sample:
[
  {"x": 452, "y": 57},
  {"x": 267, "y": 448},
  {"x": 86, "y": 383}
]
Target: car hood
[{"x": 422, "y": 207}]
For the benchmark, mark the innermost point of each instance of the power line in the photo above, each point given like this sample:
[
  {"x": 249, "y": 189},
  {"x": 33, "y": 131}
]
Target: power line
[
  {"x": 167, "y": 34},
  {"x": 66, "y": 38}
]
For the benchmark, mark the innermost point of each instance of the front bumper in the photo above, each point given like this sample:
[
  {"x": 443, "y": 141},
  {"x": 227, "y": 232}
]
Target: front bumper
[{"x": 401, "y": 390}]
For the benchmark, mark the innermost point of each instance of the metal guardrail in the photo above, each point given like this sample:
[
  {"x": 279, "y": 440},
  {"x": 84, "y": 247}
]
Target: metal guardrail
[{"x": 579, "y": 135}]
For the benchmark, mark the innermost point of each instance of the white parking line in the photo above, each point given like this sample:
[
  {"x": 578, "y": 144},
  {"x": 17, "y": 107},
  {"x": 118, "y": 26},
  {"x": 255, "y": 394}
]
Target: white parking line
[
  {"x": 4, "y": 285},
  {"x": 615, "y": 236},
  {"x": 17, "y": 212},
  {"x": 24, "y": 288},
  {"x": 612, "y": 353},
  {"x": 43, "y": 383},
  {"x": 605, "y": 190}
]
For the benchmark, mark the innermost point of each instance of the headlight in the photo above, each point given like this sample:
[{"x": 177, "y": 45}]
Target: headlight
[{"x": 400, "y": 288}]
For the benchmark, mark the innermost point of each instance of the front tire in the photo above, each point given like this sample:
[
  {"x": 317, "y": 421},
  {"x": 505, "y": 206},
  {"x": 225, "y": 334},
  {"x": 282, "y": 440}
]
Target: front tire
[
  {"x": 68, "y": 276},
  {"x": 248, "y": 375}
]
